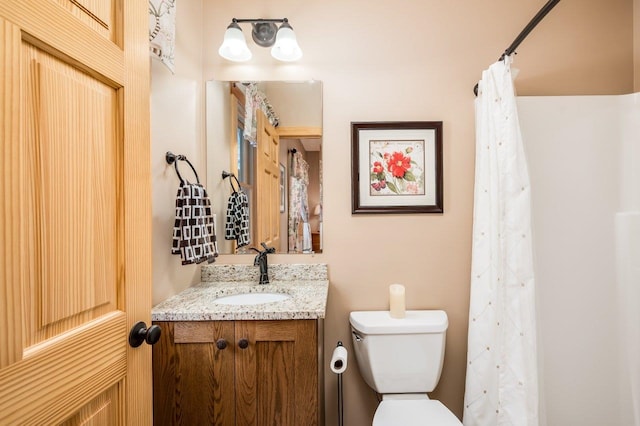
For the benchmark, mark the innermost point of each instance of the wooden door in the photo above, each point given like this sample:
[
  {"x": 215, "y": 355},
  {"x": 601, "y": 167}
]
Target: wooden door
[
  {"x": 277, "y": 373},
  {"x": 193, "y": 374},
  {"x": 267, "y": 184},
  {"x": 242, "y": 156},
  {"x": 75, "y": 236}
]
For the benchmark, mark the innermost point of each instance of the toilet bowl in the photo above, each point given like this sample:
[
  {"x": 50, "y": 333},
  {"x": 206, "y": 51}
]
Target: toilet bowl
[
  {"x": 413, "y": 413},
  {"x": 402, "y": 359}
]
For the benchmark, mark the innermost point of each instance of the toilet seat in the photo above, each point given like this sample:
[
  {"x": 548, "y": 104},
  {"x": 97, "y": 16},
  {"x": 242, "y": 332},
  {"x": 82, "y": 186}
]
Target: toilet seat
[{"x": 423, "y": 412}]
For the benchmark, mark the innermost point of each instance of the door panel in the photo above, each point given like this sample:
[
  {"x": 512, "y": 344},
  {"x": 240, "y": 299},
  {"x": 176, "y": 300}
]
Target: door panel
[
  {"x": 96, "y": 14},
  {"x": 10, "y": 294},
  {"x": 268, "y": 183},
  {"x": 104, "y": 410},
  {"x": 58, "y": 377},
  {"x": 75, "y": 205},
  {"x": 69, "y": 145},
  {"x": 48, "y": 26}
]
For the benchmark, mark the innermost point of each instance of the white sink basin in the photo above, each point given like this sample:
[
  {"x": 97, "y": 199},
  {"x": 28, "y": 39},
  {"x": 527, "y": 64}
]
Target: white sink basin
[{"x": 251, "y": 298}]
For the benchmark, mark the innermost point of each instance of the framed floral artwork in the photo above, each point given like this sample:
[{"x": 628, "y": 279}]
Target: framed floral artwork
[{"x": 396, "y": 167}]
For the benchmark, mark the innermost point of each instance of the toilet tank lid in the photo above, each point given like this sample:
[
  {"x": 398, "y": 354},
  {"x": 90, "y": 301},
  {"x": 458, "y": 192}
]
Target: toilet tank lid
[{"x": 380, "y": 322}]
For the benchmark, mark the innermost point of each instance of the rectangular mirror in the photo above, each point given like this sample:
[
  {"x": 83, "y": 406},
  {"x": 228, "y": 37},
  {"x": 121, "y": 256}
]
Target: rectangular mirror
[{"x": 266, "y": 137}]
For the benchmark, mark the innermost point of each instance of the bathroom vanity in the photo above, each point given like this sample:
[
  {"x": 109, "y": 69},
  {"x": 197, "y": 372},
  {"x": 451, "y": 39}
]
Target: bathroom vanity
[{"x": 229, "y": 356}]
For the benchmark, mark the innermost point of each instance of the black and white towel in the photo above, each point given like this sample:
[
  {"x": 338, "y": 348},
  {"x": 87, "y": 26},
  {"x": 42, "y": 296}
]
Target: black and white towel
[
  {"x": 237, "y": 219},
  {"x": 194, "y": 236}
]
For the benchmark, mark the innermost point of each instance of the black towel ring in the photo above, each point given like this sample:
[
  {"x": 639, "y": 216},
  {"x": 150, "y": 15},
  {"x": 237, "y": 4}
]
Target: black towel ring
[
  {"x": 173, "y": 159},
  {"x": 226, "y": 174}
]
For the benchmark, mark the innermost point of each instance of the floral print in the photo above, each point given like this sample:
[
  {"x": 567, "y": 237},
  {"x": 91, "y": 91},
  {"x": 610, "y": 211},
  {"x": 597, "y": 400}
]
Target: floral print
[
  {"x": 398, "y": 164},
  {"x": 397, "y": 167}
]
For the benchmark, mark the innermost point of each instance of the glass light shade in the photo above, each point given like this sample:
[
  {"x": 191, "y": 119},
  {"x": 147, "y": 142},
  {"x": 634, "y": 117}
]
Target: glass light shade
[
  {"x": 234, "y": 46},
  {"x": 286, "y": 47}
]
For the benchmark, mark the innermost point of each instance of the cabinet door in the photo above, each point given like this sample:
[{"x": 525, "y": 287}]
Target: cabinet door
[
  {"x": 277, "y": 373},
  {"x": 193, "y": 380}
]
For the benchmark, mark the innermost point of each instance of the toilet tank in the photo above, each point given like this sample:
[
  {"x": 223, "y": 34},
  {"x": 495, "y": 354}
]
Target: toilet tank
[{"x": 399, "y": 355}]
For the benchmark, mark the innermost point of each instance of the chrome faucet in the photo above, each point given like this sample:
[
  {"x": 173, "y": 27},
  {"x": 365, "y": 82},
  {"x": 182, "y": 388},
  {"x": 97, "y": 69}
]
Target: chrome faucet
[{"x": 261, "y": 261}]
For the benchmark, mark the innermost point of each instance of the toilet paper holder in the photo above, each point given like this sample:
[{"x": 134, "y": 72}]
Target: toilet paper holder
[
  {"x": 339, "y": 359},
  {"x": 339, "y": 366}
]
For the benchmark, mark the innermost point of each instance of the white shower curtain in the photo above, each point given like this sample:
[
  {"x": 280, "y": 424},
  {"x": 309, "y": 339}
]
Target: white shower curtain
[{"x": 501, "y": 381}]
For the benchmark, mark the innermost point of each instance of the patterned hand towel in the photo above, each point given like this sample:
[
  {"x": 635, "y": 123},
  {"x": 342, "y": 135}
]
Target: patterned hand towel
[
  {"x": 237, "y": 219},
  {"x": 194, "y": 237}
]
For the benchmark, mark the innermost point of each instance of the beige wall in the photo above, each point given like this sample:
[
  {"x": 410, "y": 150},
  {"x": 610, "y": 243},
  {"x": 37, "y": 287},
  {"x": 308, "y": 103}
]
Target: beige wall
[
  {"x": 177, "y": 110},
  {"x": 378, "y": 61}
]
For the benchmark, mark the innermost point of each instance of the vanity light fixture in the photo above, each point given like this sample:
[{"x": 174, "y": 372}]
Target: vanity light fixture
[{"x": 265, "y": 33}]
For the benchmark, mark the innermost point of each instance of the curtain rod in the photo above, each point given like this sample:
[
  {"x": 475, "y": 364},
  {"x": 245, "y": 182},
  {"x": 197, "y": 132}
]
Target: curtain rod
[{"x": 525, "y": 32}]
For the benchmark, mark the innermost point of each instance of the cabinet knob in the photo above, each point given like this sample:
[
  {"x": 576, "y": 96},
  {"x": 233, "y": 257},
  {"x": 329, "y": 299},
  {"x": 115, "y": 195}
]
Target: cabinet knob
[
  {"x": 243, "y": 343},
  {"x": 221, "y": 344},
  {"x": 140, "y": 333}
]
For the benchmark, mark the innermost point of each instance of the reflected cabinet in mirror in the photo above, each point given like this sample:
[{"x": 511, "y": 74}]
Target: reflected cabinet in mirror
[{"x": 264, "y": 163}]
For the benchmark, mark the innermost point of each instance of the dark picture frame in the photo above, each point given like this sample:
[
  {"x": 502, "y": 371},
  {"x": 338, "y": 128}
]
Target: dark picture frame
[{"x": 396, "y": 167}]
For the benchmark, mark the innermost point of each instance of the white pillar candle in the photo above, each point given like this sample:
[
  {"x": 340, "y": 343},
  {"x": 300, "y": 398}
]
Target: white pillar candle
[{"x": 396, "y": 301}]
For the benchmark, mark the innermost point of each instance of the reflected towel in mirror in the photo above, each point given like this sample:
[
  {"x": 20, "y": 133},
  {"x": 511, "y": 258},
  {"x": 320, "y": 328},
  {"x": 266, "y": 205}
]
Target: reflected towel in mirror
[{"x": 237, "y": 219}]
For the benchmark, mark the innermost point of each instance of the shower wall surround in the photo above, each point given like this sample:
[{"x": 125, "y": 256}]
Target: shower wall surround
[{"x": 584, "y": 157}]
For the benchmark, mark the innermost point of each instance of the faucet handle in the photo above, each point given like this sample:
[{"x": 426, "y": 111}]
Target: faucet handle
[{"x": 268, "y": 249}]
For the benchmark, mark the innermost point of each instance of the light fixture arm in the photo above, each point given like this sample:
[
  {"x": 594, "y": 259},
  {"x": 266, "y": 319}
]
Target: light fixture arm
[{"x": 259, "y": 20}]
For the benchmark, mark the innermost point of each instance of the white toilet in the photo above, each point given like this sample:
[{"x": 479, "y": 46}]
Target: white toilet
[{"x": 402, "y": 360}]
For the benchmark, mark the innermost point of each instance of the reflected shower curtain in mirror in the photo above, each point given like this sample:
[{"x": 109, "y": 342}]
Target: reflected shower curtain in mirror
[
  {"x": 502, "y": 377},
  {"x": 250, "y": 119},
  {"x": 299, "y": 230},
  {"x": 256, "y": 100}
]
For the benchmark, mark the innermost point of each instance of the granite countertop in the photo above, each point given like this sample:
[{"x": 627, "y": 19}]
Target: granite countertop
[{"x": 307, "y": 284}]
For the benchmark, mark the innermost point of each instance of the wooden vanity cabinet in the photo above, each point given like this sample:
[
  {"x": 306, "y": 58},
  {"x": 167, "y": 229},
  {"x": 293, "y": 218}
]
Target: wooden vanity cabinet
[{"x": 247, "y": 373}]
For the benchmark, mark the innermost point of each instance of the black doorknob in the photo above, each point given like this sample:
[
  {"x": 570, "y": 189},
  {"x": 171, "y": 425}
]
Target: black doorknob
[
  {"x": 221, "y": 344},
  {"x": 243, "y": 343},
  {"x": 140, "y": 333}
]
